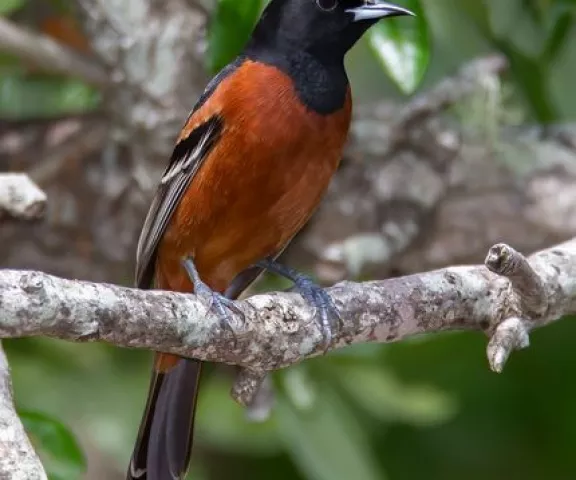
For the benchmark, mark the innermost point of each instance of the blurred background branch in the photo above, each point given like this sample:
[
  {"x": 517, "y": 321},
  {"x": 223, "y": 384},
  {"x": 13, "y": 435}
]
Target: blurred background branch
[
  {"x": 51, "y": 56},
  {"x": 20, "y": 198}
]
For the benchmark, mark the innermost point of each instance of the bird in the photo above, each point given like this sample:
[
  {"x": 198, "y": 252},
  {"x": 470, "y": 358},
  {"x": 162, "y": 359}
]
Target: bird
[{"x": 249, "y": 168}]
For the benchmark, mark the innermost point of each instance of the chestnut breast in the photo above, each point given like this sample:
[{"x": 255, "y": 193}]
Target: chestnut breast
[{"x": 260, "y": 183}]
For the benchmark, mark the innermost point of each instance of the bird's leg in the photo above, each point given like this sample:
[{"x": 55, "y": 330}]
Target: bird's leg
[
  {"x": 221, "y": 304},
  {"x": 326, "y": 312}
]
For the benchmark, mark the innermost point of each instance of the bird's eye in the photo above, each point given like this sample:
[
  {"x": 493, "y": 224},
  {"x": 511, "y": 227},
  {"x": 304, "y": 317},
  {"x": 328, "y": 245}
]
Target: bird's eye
[{"x": 327, "y": 5}]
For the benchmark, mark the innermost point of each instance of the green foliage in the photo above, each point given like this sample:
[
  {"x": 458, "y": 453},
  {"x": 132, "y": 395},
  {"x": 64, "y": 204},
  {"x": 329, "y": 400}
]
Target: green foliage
[
  {"x": 324, "y": 414},
  {"x": 222, "y": 423},
  {"x": 531, "y": 34},
  {"x": 230, "y": 28},
  {"x": 403, "y": 47},
  {"x": 62, "y": 6},
  {"x": 327, "y": 411},
  {"x": 26, "y": 93},
  {"x": 41, "y": 96},
  {"x": 375, "y": 390},
  {"x": 325, "y": 439},
  {"x": 56, "y": 445},
  {"x": 8, "y": 7}
]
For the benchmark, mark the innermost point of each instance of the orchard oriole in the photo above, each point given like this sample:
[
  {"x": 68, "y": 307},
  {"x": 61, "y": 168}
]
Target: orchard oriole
[{"x": 248, "y": 170}]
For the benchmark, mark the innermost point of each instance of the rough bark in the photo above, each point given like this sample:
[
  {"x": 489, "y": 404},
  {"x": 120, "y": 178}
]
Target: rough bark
[{"x": 18, "y": 460}]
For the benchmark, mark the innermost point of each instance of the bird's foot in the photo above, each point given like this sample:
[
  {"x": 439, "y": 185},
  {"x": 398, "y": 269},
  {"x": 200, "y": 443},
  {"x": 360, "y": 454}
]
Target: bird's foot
[
  {"x": 326, "y": 313},
  {"x": 216, "y": 301}
]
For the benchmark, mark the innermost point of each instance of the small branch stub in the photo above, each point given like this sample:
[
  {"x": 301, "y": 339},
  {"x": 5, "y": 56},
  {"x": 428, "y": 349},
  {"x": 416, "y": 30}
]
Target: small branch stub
[
  {"x": 528, "y": 300},
  {"x": 507, "y": 262},
  {"x": 510, "y": 335},
  {"x": 247, "y": 385},
  {"x": 20, "y": 197}
]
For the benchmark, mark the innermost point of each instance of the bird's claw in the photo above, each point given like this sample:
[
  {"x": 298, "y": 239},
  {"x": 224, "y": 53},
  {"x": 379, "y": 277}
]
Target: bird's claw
[
  {"x": 216, "y": 301},
  {"x": 325, "y": 312},
  {"x": 220, "y": 304}
]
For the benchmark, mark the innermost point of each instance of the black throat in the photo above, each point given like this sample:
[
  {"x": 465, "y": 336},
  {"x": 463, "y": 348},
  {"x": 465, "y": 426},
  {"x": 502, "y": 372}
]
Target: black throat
[{"x": 321, "y": 84}]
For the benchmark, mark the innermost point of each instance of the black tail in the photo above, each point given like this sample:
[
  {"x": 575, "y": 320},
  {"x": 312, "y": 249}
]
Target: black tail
[{"x": 164, "y": 443}]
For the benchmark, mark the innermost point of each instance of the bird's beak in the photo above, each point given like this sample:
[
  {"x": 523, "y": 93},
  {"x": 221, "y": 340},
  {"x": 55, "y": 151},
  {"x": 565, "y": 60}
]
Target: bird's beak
[{"x": 374, "y": 10}]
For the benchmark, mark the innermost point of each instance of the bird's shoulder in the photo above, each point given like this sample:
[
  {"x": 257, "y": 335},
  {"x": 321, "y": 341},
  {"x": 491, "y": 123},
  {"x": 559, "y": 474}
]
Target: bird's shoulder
[
  {"x": 322, "y": 87},
  {"x": 263, "y": 82}
]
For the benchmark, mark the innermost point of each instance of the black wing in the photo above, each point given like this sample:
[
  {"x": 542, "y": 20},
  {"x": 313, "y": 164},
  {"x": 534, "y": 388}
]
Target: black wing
[{"x": 186, "y": 159}]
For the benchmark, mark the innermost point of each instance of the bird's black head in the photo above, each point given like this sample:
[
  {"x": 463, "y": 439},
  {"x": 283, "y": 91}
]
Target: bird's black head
[{"x": 326, "y": 28}]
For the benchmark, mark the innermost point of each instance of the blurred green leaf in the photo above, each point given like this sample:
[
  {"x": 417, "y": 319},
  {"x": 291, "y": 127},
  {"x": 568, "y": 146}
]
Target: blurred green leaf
[
  {"x": 299, "y": 387},
  {"x": 366, "y": 351},
  {"x": 62, "y": 6},
  {"x": 197, "y": 471},
  {"x": 57, "y": 446},
  {"x": 529, "y": 69},
  {"x": 532, "y": 80},
  {"x": 270, "y": 282},
  {"x": 384, "y": 397},
  {"x": 10, "y": 6},
  {"x": 222, "y": 422},
  {"x": 230, "y": 28},
  {"x": 43, "y": 96},
  {"x": 557, "y": 38},
  {"x": 534, "y": 9},
  {"x": 9, "y": 65},
  {"x": 478, "y": 13},
  {"x": 403, "y": 47},
  {"x": 326, "y": 442}
]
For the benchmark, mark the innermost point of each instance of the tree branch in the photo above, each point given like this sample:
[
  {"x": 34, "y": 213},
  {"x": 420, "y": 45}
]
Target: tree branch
[
  {"x": 49, "y": 55},
  {"x": 278, "y": 329},
  {"x": 18, "y": 460},
  {"x": 20, "y": 197}
]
